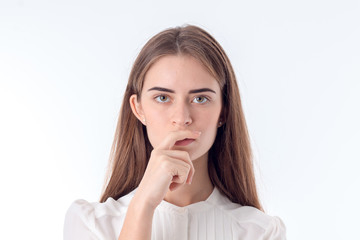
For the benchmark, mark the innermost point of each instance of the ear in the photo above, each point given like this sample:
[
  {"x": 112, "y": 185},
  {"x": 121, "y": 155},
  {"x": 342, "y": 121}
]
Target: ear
[
  {"x": 221, "y": 122},
  {"x": 137, "y": 108},
  {"x": 222, "y": 119}
]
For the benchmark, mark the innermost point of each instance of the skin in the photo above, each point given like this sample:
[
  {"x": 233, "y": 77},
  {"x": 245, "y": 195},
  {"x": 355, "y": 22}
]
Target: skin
[{"x": 180, "y": 100}]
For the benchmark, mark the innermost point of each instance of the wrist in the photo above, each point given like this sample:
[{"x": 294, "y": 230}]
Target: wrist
[{"x": 142, "y": 204}]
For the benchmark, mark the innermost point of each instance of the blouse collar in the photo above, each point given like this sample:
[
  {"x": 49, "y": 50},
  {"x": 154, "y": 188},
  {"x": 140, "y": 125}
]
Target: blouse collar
[{"x": 215, "y": 198}]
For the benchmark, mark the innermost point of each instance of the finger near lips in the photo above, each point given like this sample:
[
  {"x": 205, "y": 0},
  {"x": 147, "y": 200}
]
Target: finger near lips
[
  {"x": 169, "y": 142},
  {"x": 173, "y": 137},
  {"x": 178, "y": 162}
]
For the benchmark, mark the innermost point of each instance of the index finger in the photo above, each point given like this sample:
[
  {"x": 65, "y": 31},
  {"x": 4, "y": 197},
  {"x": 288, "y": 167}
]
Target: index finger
[{"x": 173, "y": 137}]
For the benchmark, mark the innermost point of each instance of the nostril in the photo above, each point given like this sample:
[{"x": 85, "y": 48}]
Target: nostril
[{"x": 182, "y": 121}]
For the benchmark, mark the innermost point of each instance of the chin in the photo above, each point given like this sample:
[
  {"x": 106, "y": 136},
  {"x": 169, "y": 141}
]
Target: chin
[{"x": 197, "y": 156}]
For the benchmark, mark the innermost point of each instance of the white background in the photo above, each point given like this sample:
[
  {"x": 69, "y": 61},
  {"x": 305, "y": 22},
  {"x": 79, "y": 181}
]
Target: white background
[{"x": 63, "y": 69}]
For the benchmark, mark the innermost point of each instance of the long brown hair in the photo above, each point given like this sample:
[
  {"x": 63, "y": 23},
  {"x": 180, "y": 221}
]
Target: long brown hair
[{"x": 230, "y": 158}]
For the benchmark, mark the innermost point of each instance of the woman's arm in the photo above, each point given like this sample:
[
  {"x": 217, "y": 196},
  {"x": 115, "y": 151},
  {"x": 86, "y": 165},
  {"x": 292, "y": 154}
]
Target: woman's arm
[
  {"x": 167, "y": 170},
  {"x": 138, "y": 221}
]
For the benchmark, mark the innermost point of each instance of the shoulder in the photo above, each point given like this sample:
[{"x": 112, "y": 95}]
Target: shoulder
[
  {"x": 251, "y": 221},
  {"x": 93, "y": 210},
  {"x": 88, "y": 220},
  {"x": 80, "y": 221},
  {"x": 257, "y": 222}
]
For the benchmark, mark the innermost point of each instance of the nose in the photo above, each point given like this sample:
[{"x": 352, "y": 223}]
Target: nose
[{"x": 181, "y": 115}]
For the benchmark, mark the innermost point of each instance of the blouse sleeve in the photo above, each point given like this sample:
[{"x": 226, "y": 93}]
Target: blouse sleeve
[
  {"x": 276, "y": 230},
  {"x": 79, "y": 221}
]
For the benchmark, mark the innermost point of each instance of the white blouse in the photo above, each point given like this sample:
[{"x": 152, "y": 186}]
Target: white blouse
[{"x": 215, "y": 218}]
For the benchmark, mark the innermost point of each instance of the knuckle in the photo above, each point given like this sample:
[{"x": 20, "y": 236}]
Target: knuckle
[
  {"x": 185, "y": 154},
  {"x": 183, "y": 179},
  {"x": 164, "y": 164}
]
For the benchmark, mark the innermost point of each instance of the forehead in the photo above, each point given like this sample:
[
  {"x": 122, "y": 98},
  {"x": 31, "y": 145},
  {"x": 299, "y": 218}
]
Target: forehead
[{"x": 179, "y": 72}]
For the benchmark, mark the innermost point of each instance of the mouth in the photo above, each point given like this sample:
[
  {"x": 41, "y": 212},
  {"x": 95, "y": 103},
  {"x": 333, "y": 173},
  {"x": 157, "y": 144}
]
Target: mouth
[{"x": 184, "y": 142}]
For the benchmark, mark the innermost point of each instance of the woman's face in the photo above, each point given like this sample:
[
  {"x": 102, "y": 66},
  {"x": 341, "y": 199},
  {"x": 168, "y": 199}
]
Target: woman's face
[{"x": 179, "y": 94}]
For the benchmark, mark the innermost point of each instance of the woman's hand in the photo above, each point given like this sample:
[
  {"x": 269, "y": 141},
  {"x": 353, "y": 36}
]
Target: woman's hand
[{"x": 168, "y": 169}]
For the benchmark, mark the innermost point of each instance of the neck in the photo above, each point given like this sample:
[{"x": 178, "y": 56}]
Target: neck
[{"x": 199, "y": 190}]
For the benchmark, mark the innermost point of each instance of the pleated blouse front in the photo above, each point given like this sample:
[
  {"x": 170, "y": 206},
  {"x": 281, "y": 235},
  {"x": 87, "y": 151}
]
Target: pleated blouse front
[{"x": 215, "y": 218}]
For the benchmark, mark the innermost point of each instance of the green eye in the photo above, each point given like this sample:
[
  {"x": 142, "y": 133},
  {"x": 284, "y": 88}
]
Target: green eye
[
  {"x": 162, "y": 98},
  {"x": 200, "y": 99}
]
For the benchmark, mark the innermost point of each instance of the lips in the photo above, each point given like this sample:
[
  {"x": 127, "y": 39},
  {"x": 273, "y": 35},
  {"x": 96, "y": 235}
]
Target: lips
[{"x": 184, "y": 142}]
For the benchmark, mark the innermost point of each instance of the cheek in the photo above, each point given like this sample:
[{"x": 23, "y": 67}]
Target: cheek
[
  {"x": 209, "y": 128},
  {"x": 209, "y": 118},
  {"x": 207, "y": 122},
  {"x": 155, "y": 122}
]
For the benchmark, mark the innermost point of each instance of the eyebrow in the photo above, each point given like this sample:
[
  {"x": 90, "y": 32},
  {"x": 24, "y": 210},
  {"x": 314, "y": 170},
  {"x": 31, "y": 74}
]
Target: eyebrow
[{"x": 172, "y": 91}]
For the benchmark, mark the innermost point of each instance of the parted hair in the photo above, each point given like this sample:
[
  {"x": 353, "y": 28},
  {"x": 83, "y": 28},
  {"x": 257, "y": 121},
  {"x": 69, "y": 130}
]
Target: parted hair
[{"x": 230, "y": 160}]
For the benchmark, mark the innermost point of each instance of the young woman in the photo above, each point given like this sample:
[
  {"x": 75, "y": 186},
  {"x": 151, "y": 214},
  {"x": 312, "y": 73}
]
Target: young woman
[{"x": 181, "y": 163}]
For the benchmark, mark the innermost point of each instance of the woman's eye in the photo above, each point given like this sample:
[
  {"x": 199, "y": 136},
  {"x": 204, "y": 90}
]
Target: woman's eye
[
  {"x": 162, "y": 98},
  {"x": 200, "y": 99}
]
